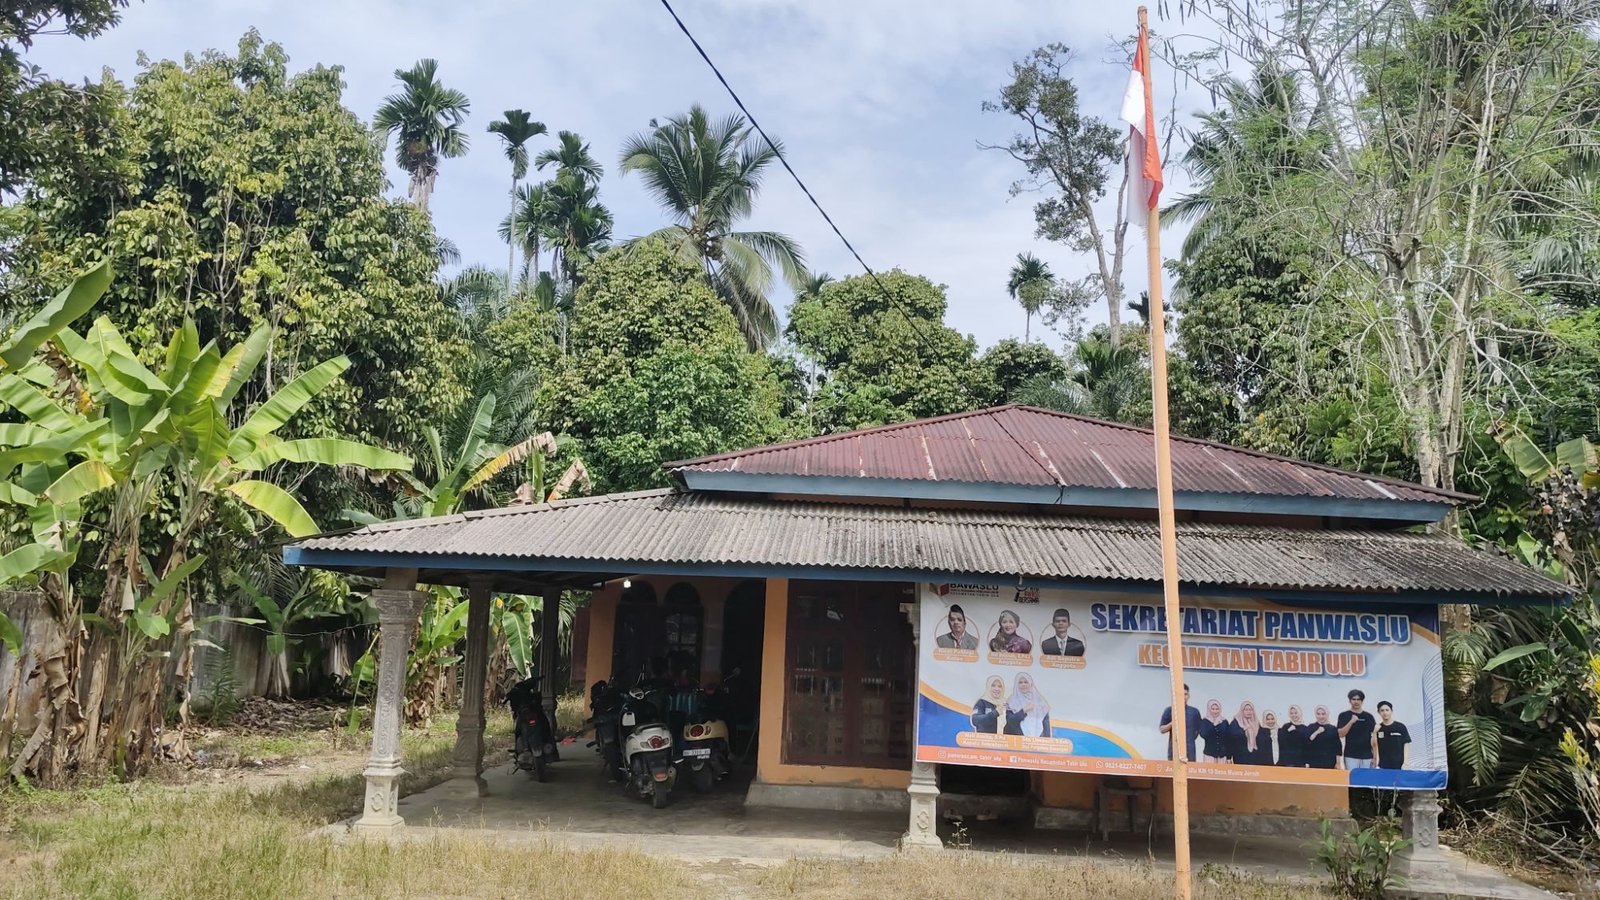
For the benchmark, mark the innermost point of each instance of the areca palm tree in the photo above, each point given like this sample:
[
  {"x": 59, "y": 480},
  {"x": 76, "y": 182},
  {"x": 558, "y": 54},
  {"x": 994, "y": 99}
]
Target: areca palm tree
[
  {"x": 570, "y": 154},
  {"x": 706, "y": 173},
  {"x": 1029, "y": 285},
  {"x": 578, "y": 225},
  {"x": 515, "y": 130},
  {"x": 425, "y": 118},
  {"x": 528, "y": 224}
]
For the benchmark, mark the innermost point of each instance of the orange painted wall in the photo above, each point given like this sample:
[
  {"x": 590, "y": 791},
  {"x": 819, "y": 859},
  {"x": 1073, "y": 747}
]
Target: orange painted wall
[
  {"x": 1205, "y": 797},
  {"x": 602, "y": 627}
]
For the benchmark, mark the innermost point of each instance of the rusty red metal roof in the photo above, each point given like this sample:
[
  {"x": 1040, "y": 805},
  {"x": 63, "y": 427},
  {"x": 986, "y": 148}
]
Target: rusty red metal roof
[{"x": 1039, "y": 448}]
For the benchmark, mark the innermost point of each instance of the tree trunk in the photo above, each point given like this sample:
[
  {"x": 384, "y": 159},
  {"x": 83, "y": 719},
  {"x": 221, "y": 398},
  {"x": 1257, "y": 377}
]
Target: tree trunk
[{"x": 511, "y": 238}]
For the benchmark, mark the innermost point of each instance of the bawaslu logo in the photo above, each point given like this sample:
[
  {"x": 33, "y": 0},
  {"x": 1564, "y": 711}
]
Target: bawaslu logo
[{"x": 984, "y": 591}]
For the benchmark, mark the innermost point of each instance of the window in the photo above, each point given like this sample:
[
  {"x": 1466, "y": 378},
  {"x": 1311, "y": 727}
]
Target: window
[{"x": 851, "y": 673}]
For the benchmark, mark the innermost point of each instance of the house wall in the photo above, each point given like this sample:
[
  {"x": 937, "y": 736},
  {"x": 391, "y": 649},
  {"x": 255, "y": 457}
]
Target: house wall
[{"x": 1050, "y": 790}]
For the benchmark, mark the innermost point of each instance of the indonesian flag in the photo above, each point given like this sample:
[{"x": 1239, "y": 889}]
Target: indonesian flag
[{"x": 1144, "y": 156}]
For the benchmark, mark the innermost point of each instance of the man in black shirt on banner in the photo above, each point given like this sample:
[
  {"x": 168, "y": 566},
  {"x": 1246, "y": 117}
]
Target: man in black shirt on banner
[
  {"x": 1391, "y": 740},
  {"x": 1355, "y": 726}
]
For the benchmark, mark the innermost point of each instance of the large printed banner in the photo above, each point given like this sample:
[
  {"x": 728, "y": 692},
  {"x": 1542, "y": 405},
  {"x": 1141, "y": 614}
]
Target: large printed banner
[{"x": 1067, "y": 681}]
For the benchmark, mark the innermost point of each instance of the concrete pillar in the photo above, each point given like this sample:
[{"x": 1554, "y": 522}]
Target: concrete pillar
[
  {"x": 923, "y": 830},
  {"x": 1419, "y": 824},
  {"x": 549, "y": 641},
  {"x": 467, "y": 777},
  {"x": 397, "y": 619}
]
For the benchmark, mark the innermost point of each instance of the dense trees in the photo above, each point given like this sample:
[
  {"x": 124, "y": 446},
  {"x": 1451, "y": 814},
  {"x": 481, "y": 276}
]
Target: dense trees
[
  {"x": 656, "y": 370},
  {"x": 884, "y": 351},
  {"x": 241, "y": 195}
]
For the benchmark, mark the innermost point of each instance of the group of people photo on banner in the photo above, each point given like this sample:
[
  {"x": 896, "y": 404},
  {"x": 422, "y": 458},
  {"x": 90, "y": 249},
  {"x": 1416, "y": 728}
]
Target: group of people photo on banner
[
  {"x": 1011, "y": 635},
  {"x": 1355, "y": 739}
]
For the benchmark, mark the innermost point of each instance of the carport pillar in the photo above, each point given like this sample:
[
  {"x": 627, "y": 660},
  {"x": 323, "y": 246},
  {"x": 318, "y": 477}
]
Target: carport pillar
[
  {"x": 1420, "y": 825},
  {"x": 549, "y": 638},
  {"x": 467, "y": 778},
  {"x": 398, "y": 609},
  {"x": 923, "y": 830}
]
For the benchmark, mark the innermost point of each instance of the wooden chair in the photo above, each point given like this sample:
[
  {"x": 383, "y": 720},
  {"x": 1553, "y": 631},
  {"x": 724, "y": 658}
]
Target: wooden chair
[{"x": 1113, "y": 787}]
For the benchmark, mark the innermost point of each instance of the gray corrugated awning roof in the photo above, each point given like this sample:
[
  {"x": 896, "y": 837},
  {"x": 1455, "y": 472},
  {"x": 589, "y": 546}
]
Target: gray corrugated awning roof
[{"x": 692, "y": 533}]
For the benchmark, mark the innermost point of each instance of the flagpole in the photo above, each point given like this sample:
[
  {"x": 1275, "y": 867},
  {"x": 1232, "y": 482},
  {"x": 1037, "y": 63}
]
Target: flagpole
[{"x": 1169, "y": 540}]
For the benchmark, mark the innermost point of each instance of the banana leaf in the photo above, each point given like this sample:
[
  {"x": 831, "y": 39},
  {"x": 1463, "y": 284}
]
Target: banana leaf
[
  {"x": 326, "y": 451},
  {"x": 276, "y": 504},
  {"x": 62, "y": 310}
]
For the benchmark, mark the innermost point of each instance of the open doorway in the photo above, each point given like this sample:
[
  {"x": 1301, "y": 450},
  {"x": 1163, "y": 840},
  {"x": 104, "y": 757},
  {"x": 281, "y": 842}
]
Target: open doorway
[{"x": 743, "y": 636}]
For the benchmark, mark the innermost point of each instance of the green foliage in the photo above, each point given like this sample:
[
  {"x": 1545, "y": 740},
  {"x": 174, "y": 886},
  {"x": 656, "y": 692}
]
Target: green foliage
[
  {"x": 657, "y": 371},
  {"x": 884, "y": 360},
  {"x": 1009, "y": 365},
  {"x": 1524, "y": 719},
  {"x": 239, "y": 195},
  {"x": 1103, "y": 382},
  {"x": 1360, "y": 866},
  {"x": 221, "y": 699}
]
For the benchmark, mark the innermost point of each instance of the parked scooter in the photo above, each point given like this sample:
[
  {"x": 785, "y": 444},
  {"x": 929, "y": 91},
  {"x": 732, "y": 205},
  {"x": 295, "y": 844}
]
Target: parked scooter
[
  {"x": 706, "y": 751},
  {"x": 535, "y": 740},
  {"x": 647, "y": 748}
]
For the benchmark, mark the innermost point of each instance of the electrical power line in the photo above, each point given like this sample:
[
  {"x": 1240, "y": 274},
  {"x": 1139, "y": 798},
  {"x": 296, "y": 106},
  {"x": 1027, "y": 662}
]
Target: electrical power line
[{"x": 778, "y": 151}]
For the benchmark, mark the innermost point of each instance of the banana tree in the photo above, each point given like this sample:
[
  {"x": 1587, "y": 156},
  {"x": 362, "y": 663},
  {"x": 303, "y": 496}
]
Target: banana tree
[{"x": 101, "y": 443}]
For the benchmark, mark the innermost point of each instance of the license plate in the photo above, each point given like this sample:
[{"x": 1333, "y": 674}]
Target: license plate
[
  {"x": 627, "y": 718},
  {"x": 698, "y": 751}
]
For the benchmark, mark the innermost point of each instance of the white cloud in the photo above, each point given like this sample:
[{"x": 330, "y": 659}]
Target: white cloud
[{"x": 877, "y": 103}]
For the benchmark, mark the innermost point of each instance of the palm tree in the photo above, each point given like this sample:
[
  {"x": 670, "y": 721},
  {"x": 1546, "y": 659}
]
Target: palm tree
[
  {"x": 813, "y": 284},
  {"x": 579, "y": 226},
  {"x": 527, "y": 224},
  {"x": 570, "y": 155},
  {"x": 1029, "y": 285},
  {"x": 425, "y": 119},
  {"x": 1107, "y": 381},
  {"x": 515, "y": 130},
  {"x": 1141, "y": 308},
  {"x": 706, "y": 173}
]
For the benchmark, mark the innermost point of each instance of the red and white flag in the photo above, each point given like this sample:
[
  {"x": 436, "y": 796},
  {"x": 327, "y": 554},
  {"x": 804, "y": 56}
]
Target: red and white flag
[{"x": 1144, "y": 156}]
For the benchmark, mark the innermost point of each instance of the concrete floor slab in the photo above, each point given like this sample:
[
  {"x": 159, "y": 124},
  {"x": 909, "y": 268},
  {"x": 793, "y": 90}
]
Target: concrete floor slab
[{"x": 578, "y": 807}]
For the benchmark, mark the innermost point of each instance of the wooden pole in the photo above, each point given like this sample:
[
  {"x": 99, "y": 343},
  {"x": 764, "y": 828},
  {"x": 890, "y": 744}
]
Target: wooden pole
[{"x": 1169, "y": 540}]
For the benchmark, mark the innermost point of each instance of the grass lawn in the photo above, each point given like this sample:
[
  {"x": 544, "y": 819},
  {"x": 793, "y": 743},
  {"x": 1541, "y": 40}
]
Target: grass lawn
[{"x": 248, "y": 835}]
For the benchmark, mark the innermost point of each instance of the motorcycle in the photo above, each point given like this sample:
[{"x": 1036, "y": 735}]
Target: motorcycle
[
  {"x": 706, "y": 750},
  {"x": 535, "y": 746},
  {"x": 651, "y": 763},
  {"x": 605, "y": 715}
]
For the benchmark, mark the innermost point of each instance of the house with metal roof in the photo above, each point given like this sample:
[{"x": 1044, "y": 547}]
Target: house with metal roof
[{"x": 963, "y": 613}]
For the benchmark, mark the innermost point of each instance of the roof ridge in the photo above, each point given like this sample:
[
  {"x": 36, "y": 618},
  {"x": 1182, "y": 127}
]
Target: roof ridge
[
  {"x": 836, "y": 436},
  {"x": 993, "y": 412}
]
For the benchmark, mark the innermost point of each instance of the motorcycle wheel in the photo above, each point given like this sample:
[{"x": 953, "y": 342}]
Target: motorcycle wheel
[
  {"x": 613, "y": 763},
  {"x": 659, "y": 797},
  {"x": 703, "y": 779},
  {"x": 539, "y": 772}
]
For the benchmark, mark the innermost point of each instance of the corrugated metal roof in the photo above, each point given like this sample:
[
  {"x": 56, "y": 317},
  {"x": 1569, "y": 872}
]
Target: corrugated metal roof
[
  {"x": 1024, "y": 445},
  {"x": 617, "y": 533}
]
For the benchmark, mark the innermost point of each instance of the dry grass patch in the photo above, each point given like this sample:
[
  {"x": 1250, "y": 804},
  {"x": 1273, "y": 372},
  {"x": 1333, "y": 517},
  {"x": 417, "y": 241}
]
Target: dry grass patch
[
  {"x": 169, "y": 842},
  {"x": 960, "y": 876}
]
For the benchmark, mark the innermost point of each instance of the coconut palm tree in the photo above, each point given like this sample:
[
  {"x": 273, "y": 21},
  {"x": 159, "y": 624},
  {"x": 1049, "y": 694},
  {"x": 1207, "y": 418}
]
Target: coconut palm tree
[
  {"x": 515, "y": 130},
  {"x": 425, "y": 119},
  {"x": 570, "y": 155},
  {"x": 706, "y": 173},
  {"x": 1029, "y": 285},
  {"x": 1106, "y": 381},
  {"x": 813, "y": 284}
]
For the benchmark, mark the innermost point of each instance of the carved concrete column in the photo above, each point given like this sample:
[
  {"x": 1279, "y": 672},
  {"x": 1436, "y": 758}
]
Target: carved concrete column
[
  {"x": 467, "y": 777},
  {"x": 397, "y": 620},
  {"x": 1420, "y": 825},
  {"x": 923, "y": 830},
  {"x": 549, "y": 638}
]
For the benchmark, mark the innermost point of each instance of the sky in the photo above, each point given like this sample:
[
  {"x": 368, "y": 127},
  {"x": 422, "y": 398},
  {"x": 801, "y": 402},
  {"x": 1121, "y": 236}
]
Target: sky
[{"x": 877, "y": 103}]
